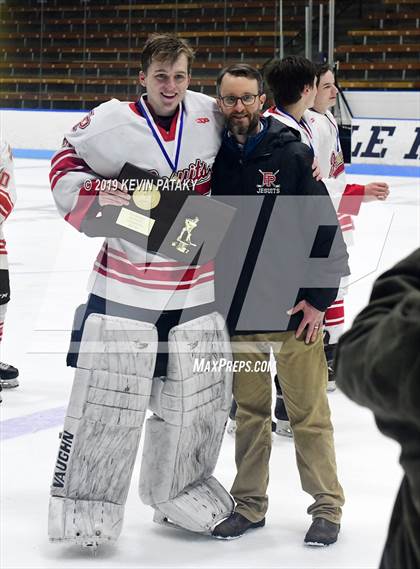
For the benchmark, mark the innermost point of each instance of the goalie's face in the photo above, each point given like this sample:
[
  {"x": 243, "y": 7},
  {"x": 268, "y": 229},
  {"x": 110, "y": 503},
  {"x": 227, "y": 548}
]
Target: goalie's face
[
  {"x": 326, "y": 96},
  {"x": 166, "y": 84}
]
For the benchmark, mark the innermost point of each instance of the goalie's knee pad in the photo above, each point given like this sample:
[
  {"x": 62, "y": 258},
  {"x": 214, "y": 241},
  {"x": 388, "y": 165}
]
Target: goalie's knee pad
[
  {"x": 183, "y": 438},
  {"x": 98, "y": 447}
]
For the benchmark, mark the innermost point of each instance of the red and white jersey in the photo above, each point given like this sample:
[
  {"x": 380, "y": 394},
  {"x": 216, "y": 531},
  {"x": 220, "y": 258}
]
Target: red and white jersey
[
  {"x": 97, "y": 148},
  {"x": 328, "y": 147},
  {"x": 7, "y": 196},
  {"x": 347, "y": 198}
]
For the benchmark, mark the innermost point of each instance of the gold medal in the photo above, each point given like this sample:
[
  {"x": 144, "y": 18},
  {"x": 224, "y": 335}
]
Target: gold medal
[{"x": 146, "y": 199}]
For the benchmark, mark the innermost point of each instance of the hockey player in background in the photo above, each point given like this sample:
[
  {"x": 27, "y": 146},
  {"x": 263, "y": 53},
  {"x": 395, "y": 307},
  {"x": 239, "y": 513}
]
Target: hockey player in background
[
  {"x": 348, "y": 196},
  {"x": 303, "y": 95},
  {"x": 8, "y": 373}
]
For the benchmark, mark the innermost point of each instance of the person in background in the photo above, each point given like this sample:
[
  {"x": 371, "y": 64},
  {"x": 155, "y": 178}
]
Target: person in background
[
  {"x": 303, "y": 95},
  {"x": 378, "y": 366},
  {"x": 8, "y": 373},
  {"x": 331, "y": 162}
]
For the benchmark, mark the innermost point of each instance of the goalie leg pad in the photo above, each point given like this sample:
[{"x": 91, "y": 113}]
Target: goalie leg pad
[
  {"x": 183, "y": 438},
  {"x": 98, "y": 446}
]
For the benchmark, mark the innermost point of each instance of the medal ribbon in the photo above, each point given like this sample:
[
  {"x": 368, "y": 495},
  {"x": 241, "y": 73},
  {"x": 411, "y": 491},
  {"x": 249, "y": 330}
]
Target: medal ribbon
[
  {"x": 336, "y": 133},
  {"x": 145, "y": 113},
  {"x": 302, "y": 124}
]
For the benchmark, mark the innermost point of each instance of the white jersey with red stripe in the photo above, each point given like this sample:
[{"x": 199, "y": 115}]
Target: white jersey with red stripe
[
  {"x": 97, "y": 148},
  {"x": 347, "y": 198},
  {"x": 329, "y": 152},
  {"x": 7, "y": 196}
]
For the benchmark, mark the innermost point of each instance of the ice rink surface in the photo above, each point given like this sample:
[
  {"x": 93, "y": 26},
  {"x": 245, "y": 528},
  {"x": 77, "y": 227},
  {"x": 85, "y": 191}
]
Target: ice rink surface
[{"x": 50, "y": 263}]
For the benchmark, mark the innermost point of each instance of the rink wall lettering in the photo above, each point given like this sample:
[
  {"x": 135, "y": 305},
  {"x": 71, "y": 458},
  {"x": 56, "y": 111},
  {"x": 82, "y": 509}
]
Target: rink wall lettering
[
  {"x": 380, "y": 143},
  {"x": 385, "y": 141}
]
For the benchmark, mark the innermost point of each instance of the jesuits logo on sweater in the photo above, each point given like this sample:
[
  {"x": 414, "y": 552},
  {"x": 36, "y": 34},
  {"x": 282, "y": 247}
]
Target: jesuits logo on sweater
[{"x": 268, "y": 183}]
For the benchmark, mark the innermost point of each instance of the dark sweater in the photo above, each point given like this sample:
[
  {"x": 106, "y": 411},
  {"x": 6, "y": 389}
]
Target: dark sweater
[
  {"x": 284, "y": 244},
  {"x": 378, "y": 366}
]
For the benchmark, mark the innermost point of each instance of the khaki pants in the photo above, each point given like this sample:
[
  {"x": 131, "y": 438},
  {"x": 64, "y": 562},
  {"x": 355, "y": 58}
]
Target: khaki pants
[{"x": 303, "y": 377}]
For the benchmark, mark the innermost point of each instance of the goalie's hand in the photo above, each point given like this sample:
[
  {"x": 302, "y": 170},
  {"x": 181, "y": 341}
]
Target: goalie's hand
[{"x": 113, "y": 193}]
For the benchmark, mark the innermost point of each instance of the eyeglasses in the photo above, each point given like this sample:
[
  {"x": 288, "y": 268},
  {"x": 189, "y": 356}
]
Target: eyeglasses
[{"x": 230, "y": 100}]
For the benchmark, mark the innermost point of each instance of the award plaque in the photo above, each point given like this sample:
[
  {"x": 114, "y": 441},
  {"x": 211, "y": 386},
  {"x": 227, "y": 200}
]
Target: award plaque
[{"x": 178, "y": 224}]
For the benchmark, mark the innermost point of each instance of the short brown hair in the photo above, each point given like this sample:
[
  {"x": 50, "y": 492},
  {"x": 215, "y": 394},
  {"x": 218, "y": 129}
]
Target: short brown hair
[
  {"x": 165, "y": 47},
  {"x": 321, "y": 70},
  {"x": 241, "y": 70}
]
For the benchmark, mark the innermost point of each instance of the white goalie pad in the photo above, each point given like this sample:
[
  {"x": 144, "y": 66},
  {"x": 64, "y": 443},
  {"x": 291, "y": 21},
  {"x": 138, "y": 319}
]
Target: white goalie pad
[
  {"x": 198, "y": 508},
  {"x": 102, "y": 428},
  {"x": 183, "y": 438}
]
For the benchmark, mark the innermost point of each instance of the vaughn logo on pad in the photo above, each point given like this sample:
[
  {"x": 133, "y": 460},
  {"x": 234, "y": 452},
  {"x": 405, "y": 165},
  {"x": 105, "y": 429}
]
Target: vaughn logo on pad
[{"x": 63, "y": 459}]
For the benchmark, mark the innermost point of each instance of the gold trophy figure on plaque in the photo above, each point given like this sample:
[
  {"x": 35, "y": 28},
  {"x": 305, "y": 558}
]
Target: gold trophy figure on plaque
[{"x": 181, "y": 244}]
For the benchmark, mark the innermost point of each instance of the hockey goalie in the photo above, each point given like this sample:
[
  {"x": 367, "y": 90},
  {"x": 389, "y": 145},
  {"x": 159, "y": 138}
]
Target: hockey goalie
[{"x": 147, "y": 318}]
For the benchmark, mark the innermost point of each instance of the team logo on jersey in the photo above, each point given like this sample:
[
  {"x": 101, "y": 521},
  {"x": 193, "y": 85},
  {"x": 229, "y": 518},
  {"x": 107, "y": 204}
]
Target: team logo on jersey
[
  {"x": 4, "y": 179},
  {"x": 268, "y": 184},
  {"x": 195, "y": 177},
  {"x": 198, "y": 175},
  {"x": 85, "y": 122},
  {"x": 202, "y": 120},
  {"x": 337, "y": 164}
]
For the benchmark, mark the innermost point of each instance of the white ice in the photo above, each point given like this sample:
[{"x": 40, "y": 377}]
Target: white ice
[{"x": 50, "y": 263}]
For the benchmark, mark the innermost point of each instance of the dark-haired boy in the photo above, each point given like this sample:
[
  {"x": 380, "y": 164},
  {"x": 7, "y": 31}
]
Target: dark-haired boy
[
  {"x": 8, "y": 373},
  {"x": 331, "y": 163}
]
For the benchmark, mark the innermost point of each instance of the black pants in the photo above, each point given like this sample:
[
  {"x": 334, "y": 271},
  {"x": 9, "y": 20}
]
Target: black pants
[
  {"x": 4, "y": 286},
  {"x": 163, "y": 320}
]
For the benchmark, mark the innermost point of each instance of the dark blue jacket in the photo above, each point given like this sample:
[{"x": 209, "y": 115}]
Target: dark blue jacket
[{"x": 285, "y": 244}]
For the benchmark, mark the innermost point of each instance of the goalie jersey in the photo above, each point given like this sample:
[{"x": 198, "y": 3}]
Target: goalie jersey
[{"x": 97, "y": 148}]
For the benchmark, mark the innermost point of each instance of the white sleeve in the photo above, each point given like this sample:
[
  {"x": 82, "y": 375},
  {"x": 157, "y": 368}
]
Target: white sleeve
[
  {"x": 97, "y": 138},
  {"x": 74, "y": 185},
  {"x": 336, "y": 187},
  {"x": 7, "y": 182},
  {"x": 84, "y": 159}
]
